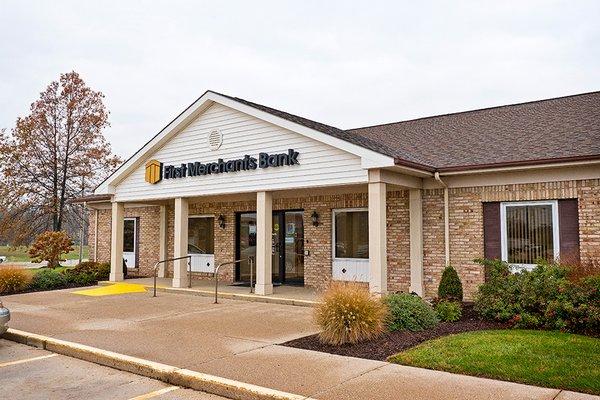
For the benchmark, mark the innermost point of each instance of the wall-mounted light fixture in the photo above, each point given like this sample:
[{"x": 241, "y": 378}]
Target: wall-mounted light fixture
[
  {"x": 221, "y": 220},
  {"x": 315, "y": 218}
]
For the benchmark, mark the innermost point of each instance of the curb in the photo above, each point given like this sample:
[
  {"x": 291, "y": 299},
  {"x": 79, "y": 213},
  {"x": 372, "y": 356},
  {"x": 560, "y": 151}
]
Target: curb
[
  {"x": 163, "y": 372},
  {"x": 229, "y": 296}
]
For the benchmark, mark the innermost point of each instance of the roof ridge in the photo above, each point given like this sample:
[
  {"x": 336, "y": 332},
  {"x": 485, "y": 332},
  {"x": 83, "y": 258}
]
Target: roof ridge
[{"x": 473, "y": 110}]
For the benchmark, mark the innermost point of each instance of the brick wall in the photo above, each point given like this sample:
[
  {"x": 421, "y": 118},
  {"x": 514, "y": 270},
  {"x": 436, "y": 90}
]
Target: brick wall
[
  {"x": 149, "y": 226},
  {"x": 317, "y": 266},
  {"x": 466, "y": 225},
  {"x": 466, "y": 230}
]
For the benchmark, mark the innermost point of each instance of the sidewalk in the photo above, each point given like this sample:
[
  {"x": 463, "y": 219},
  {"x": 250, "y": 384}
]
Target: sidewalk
[{"x": 240, "y": 340}]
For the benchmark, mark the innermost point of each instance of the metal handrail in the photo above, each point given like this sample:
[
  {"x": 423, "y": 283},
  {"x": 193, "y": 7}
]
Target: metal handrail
[
  {"x": 216, "y": 274},
  {"x": 173, "y": 259}
]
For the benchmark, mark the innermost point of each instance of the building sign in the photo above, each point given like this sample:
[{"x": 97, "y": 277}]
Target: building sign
[{"x": 156, "y": 171}]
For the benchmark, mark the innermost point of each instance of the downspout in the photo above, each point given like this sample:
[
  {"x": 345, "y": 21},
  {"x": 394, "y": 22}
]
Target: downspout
[{"x": 446, "y": 218}]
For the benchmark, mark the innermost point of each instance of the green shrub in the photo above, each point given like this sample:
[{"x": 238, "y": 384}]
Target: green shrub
[
  {"x": 48, "y": 279},
  {"x": 543, "y": 298},
  {"x": 348, "y": 313},
  {"x": 13, "y": 280},
  {"x": 79, "y": 279},
  {"x": 100, "y": 271},
  {"x": 448, "y": 311},
  {"x": 409, "y": 312},
  {"x": 450, "y": 287}
]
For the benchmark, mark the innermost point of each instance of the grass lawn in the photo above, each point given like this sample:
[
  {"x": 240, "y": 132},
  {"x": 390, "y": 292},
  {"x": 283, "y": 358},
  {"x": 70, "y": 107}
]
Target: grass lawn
[
  {"x": 550, "y": 359},
  {"x": 19, "y": 253}
]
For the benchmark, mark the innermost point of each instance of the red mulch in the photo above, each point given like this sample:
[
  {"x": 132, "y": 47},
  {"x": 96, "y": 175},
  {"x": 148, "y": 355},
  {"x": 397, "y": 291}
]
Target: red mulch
[{"x": 394, "y": 342}]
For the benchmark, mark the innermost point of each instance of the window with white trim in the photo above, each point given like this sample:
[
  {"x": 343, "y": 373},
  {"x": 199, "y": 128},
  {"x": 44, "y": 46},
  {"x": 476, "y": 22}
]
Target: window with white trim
[
  {"x": 351, "y": 233},
  {"x": 201, "y": 235},
  {"x": 529, "y": 232}
]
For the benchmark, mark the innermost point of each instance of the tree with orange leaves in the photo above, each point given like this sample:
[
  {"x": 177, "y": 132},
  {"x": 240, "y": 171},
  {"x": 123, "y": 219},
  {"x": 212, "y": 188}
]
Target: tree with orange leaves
[{"x": 55, "y": 153}]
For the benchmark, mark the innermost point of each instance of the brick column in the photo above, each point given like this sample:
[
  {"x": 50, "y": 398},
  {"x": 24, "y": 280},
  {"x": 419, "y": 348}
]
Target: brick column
[
  {"x": 264, "y": 232},
  {"x": 377, "y": 238},
  {"x": 416, "y": 241},
  {"x": 180, "y": 243},
  {"x": 116, "y": 242}
]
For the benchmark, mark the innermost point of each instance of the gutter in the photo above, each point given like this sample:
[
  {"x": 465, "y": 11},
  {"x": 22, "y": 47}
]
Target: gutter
[{"x": 436, "y": 176}]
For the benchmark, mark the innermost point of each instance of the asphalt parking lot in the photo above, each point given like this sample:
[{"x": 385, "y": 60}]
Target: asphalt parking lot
[{"x": 28, "y": 373}]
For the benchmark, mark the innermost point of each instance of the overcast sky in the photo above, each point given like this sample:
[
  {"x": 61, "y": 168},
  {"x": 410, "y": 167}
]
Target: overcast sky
[{"x": 338, "y": 63}]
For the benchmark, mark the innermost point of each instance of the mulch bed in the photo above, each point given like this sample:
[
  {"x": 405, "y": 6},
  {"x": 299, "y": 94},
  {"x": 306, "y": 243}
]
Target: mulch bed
[{"x": 394, "y": 342}]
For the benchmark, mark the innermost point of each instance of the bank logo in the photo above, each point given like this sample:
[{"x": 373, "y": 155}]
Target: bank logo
[{"x": 153, "y": 171}]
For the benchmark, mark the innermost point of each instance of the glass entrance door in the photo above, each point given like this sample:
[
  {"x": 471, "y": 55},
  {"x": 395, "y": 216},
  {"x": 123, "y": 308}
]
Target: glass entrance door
[
  {"x": 292, "y": 261},
  {"x": 287, "y": 246}
]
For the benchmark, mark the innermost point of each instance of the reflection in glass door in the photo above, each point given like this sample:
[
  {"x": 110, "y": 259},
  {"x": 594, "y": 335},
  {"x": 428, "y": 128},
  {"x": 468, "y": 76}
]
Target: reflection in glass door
[
  {"x": 287, "y": 246},
  {"x": 293, "y": 237}
]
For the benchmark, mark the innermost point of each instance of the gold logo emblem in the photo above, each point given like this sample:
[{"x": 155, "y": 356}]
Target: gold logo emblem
[{"x": 153, "y": 171}]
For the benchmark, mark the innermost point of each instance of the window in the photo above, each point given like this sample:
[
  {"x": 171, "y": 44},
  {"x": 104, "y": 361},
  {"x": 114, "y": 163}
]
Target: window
[
  {"x": 201, "y": 237},
  {"x": 351, "y": 233},
  {"x": 529, "y": 232}
]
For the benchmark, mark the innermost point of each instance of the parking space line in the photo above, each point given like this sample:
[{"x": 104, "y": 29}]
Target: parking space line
[
  {"x": 155, "y": 393},
  {"x": 25, "y": 360}
]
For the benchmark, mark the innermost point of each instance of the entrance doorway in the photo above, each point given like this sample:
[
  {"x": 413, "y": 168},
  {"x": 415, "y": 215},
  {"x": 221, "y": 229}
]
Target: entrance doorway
[
  {"x": 130, "y": 242},
  {"x": 287, "y": 246}
]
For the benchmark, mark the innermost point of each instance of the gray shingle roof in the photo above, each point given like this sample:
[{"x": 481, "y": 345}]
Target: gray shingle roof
[{"x": 559, "y": 129}]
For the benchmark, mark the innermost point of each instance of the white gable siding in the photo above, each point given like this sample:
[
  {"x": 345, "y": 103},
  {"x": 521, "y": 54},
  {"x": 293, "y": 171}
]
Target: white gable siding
[{"x": 320, "y": 164}]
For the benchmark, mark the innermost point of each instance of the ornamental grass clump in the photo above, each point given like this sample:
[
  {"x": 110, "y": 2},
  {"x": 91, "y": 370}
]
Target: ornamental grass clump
[
  {"x": 13, "y": 280},
  {"x": 348, "y": 313}
]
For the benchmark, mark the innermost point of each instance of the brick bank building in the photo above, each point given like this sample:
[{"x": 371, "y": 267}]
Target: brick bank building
[{"x": 388, "y": 205}]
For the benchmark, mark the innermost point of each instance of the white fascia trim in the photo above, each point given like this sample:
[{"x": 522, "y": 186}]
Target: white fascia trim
[{"x": 369, "y": 158}]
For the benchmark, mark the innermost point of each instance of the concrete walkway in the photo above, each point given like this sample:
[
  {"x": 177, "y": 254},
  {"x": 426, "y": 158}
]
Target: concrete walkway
[
  {"x": 284, "y": 294},
  {"x": 239, "y": 340}
]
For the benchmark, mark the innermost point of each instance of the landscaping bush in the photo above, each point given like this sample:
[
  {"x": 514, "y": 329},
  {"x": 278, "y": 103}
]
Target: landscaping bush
[
  {"x": 79, "y": 279},
  {"x": 348, "y": 313},
  {"x": 448, "y": 311},
  {"x": 409, "y": 312},
  {"x": 13, "y": 280},
  {"x": 543, "y": 298},
  {"x": 48, "y": 279},
  {"x": 100, "y": 271},
  {"x": 50, "y": 246},
  {"x": 450, "y": 287}
]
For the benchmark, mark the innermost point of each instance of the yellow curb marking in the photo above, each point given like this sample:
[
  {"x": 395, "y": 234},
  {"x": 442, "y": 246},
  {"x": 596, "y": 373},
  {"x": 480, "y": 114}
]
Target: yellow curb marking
[
  {"x": 114, "y": 289},
  {"x": 25, "y": 360},
  {"x": 155, "y": 393}
]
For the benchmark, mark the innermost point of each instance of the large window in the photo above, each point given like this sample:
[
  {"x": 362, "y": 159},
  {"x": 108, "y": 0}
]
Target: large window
[
  {"x": 351, "y": 233},
  {"x": 529, "y": 232},
  {"x": 129, "y": 235},
  {"x": 201, "y": 235}
]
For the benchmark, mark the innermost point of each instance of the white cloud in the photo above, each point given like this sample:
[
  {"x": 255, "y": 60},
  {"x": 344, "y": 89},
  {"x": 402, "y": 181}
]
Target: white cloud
[{"x": 343, "y": 63}]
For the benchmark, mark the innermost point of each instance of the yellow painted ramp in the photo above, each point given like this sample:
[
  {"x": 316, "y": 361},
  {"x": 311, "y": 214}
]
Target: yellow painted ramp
[{"x": 114, "y": 289}]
